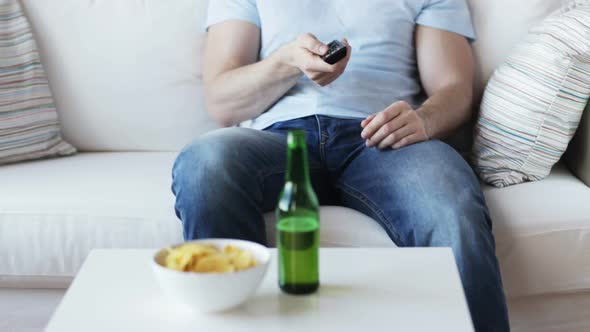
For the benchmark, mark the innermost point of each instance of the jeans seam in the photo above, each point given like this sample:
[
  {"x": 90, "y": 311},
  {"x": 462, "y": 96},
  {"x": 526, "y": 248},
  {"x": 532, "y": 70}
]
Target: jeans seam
[
  {"x": 384, "y": 221},
  {"x": 321, "y": 140}
]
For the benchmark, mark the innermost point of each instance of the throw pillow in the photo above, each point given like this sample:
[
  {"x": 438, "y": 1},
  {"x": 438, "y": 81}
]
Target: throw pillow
[
  {"x": 29, "y": 127},
  {"x": 534, "y": 101}
]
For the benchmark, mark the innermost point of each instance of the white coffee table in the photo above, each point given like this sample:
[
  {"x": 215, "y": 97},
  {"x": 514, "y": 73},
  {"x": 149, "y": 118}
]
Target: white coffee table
[{"x": 361, "y": 290}]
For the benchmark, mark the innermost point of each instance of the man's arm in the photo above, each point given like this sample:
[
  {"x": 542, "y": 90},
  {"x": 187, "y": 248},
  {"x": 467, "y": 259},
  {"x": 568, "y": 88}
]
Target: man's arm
[
  {"x": 446, "y": 65},
  {"x": 447, "y": 71},
  {"x": 238, "y": 87}
]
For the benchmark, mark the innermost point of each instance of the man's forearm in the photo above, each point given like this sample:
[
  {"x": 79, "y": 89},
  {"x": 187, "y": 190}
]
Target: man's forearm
[
  {"x": 447, "y": 110},
  {"x": 246, "y": 92}
]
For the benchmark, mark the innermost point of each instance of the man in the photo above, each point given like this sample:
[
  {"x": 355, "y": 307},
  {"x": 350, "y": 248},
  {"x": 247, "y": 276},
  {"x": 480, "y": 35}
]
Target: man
[{"x": 373, "y": 121}]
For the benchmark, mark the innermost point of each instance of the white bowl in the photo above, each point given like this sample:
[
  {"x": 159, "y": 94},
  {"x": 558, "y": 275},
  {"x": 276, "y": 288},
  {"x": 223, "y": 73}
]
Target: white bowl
[{"x": 209, "y": 292}]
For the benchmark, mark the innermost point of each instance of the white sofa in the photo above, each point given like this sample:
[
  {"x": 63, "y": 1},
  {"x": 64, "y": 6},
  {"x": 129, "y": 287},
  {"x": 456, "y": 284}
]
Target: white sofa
[{"x": 126, "y": 78}]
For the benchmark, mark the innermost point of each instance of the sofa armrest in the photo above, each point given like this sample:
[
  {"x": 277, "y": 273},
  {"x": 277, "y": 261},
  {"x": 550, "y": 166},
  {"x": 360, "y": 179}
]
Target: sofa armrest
[{"x": 577, "y": 156}]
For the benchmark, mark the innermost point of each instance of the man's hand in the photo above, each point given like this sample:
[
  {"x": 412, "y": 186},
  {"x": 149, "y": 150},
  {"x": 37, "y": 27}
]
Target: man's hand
[
  {"x": 305, "y": 54},
  {"x": 395, "y": 127}
]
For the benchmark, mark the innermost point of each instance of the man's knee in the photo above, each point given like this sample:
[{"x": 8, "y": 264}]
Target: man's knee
[
  {"x": 448, "y": 205},
  {"x": 450, "y": 222},
  {"x": 206, "y": 157},
  {"x": 437, "y": 162},
  {"x": 199, "y": 175},
  {"x": 453, "y": 219}
]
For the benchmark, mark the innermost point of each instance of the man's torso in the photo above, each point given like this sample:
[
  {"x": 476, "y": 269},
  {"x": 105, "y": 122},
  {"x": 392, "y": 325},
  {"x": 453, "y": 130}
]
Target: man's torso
[{"x": 382, "y": 68}]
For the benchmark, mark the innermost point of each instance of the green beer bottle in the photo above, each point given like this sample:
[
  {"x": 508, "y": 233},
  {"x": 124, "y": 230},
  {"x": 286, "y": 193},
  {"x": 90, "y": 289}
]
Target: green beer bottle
[{"x": 298, "y": 223}]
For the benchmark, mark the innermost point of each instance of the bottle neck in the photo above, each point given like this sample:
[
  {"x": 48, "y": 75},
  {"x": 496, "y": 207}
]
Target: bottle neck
[{"x": 297, "y": 164}]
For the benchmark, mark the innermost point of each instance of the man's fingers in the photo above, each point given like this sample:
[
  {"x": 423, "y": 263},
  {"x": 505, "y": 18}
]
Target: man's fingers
[
  {"x": 378, "y": 121},
  {"x": 312, "y": 44},
  {"x": 382, "y": 118},
  {"x": 408, "y": 140},
  {"x": 366, "y": 121},
  {"x": 313, "y": 63},
  {"x": 348, "y": 50},
  {"x": 327, "y": 79},
  {"x": 320, "y": 78},
  {"x": 397, "y": 136},
  {"x": 388, "y": 142},
  {"x": 385, "y": 130},
  {"x": 314, "y": 66}
]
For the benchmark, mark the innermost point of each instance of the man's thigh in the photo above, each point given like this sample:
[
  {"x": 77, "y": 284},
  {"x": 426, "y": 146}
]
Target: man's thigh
[
  {"x": 413, "y": 189},
  {"x": 254, "y": 160}
]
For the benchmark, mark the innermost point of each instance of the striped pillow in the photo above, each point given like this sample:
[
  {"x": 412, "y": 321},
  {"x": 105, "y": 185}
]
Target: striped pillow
[
  {"x": 29, "y": 128},
  {"x": 533, "y": 103}
]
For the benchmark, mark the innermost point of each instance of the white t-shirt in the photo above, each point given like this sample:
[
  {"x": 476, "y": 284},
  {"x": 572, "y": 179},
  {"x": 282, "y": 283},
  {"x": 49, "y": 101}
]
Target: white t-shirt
[{"x": 383, "y": 67}]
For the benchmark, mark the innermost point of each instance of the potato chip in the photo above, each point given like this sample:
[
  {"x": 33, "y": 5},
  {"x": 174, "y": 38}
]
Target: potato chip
[
  {"x": 229, "y": 249},
  {"x": 214, "y": 263},
  {"x": 207, "y": 258},
  {"x": 241, "y": 259}
]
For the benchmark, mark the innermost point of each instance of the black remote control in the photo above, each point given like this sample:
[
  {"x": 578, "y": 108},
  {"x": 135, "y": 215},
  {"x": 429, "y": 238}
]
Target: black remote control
[{"x": 337, "y": 51}]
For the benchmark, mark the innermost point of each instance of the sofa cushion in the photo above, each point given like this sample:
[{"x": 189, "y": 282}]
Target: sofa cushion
[
  {"x": 125, "y": 74},
  {"x": 543, "y": 234},
  {"x": 29, "y": 126},
  {"x": 54, "y": 212},
  {"x": 535, "y": 100}
]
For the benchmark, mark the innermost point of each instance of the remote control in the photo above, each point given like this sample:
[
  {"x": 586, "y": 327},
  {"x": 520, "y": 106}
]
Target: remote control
[{"x": 337, "y": 51}]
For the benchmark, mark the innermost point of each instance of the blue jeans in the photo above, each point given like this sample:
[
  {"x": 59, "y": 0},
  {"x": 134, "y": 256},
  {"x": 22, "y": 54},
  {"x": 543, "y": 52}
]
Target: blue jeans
[{"x": 424, "y": 195}]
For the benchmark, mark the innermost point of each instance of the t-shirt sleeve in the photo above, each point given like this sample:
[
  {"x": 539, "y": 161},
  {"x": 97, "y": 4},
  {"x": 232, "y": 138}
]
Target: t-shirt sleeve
[
  {"x": 448, "y": 15},
  {"x": 226, "y": 10}
]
